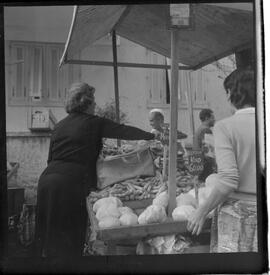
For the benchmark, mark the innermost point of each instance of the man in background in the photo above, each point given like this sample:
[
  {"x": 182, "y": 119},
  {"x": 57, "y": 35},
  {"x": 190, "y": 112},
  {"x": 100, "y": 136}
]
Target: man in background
[
  {"x": 207, "y": 122},
  {"x": 156, "y": 120}
]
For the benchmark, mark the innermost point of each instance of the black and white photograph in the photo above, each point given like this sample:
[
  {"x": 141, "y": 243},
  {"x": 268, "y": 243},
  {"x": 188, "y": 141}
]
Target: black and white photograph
[{"x": 134, "y": 130}]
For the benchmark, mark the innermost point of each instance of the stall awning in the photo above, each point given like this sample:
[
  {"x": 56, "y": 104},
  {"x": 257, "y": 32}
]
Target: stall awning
[{"x": 218, "y": 30}]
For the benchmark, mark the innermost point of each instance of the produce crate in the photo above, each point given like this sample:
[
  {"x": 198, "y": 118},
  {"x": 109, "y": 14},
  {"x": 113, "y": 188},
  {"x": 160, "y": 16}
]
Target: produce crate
[
  {"x": 138, "y": 231},
  {"x": 15, "y": 200},
  {"x": 197, "y": 249}
]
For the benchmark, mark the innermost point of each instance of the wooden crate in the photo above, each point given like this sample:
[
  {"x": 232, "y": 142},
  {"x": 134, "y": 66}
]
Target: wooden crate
[
  {"x": 15, "y": 200},
  {"x": 138, "y": 231},
  {"x": 197, "y": 249}
]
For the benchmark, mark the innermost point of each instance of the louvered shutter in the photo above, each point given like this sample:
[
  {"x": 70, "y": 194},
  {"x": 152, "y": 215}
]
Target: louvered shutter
[
  {"x": 158, "y": 81},
  {"x": 18, "y": 72},
  {"x": 36, "y": 72}
]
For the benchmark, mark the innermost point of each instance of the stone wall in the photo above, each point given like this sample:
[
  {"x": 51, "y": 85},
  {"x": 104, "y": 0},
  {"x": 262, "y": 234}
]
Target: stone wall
[{"x": 31, "y": 152}]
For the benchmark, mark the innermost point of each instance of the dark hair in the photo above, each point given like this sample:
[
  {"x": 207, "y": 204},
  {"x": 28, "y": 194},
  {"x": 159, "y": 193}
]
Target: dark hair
[
  {"x": 79, "y": 97},
  {"x": 241, "y": 87},
  {"x": 205, "y": 113}
]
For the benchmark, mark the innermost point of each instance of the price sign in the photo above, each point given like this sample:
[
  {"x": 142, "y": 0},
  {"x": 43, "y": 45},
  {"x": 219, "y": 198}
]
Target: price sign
[
  {"x": 180, "y": 15},
  {"x": 196, "y": 164}
]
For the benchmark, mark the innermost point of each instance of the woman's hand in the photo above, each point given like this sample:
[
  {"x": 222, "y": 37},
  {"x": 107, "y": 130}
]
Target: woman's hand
[{"x": 196, "y": 221}]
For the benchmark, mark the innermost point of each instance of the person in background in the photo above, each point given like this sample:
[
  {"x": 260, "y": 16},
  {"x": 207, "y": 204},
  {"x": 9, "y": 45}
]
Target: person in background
[
  {"x": 70, "y": 175},
  {"x": 207, "y": 122},
  {"x": 235, "y": 188},
  {"x": 156, "y": 120}
]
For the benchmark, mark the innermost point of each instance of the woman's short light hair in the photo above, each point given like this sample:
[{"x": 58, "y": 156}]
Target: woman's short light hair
[{"x": 79, "y": 97}]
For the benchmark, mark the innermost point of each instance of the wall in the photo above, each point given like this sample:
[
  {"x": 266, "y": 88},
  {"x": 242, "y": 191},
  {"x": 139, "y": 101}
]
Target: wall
[{"x": 31, "y": 153}]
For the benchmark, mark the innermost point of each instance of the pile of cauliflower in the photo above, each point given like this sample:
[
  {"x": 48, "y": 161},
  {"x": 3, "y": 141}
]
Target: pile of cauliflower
[{"x": 110, "y": 211}]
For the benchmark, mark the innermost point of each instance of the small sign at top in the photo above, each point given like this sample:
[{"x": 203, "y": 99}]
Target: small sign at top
[
  {"x": 196, "y": 165},
  {"x": 180, "y": 15}
]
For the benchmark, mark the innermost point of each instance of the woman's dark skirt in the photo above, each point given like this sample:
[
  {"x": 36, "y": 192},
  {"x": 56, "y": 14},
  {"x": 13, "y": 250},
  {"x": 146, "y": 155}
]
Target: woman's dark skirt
[{"x": 61, "y": 216}]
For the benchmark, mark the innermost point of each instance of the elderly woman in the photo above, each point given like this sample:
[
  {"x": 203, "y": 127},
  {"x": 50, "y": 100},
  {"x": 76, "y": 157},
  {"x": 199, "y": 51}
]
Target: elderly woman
[
  {"x": 71, "y": 173},
  {"x": 235, "y": 188}
]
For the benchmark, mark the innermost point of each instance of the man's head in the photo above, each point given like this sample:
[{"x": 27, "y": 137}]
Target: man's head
[
  {"x": 156, "y": 119},
  {"x": 207, "y": 117}
]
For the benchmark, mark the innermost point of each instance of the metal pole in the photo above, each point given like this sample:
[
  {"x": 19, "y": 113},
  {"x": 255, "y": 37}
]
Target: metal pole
[
  {"x": 123, "y": 64},
  {"x": 116, "y": 90},
  {"x": 173, "y": 122},
  {"x": 189, "y": 97}
]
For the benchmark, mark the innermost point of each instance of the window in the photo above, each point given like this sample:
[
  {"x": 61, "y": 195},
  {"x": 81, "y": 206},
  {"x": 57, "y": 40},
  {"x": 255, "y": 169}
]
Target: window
[
  {"x": 34, "y": 74},
  {"x": 156, "y": 80},
  {"x": 160, "y": 81}
]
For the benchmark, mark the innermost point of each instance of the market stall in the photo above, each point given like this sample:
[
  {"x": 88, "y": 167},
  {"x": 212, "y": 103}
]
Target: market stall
[
  {"x": 191, "y": 35},
  {"x": 145, "y": 199}
]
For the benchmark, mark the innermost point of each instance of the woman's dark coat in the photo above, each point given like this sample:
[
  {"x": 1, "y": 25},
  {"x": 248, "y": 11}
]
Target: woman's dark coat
[{"x": 71, "y": 173}]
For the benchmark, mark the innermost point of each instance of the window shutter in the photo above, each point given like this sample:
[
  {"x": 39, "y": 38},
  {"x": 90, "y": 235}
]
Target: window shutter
[
  {"x": 37, "y": 78},
  {"x": 183, "y": 86},
  {"x": 158, "y": 81},
  {"x": 18, "y": 86},
  {"x": 53, "y": 73},
  {"x": 199, "y": 90},
  {"x": 36, "y": 73}
]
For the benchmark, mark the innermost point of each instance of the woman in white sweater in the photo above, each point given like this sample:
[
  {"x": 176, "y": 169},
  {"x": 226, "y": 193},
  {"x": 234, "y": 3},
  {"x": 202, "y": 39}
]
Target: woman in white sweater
[{"x": 235, "y": 148}]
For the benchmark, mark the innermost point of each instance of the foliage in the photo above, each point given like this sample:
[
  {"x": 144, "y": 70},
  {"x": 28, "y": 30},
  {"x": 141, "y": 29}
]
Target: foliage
[
  {"x": 225, "y": 68},
  {"x": 109, "y": 111}
]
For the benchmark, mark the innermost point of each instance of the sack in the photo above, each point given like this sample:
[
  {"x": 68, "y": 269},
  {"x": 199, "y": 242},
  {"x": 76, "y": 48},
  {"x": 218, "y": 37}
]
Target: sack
[
  {"x": 127, "y": 166},
  {"x": 26, "y": 225}
]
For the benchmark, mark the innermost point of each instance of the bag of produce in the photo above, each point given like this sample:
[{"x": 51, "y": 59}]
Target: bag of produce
[
  {"x": 182, "y": 213},
  {"x": 129, "y": 219},
  {"x": 108, "y": 200},
  {"x": 109, "y": 222},
  {"x": 185, "y": 199},
  {"x": 161, "y": 199},
  {"x": 152, "y": 214},
  {"x": 126, "y": 166},
  {"x": 108, "y": 210}
]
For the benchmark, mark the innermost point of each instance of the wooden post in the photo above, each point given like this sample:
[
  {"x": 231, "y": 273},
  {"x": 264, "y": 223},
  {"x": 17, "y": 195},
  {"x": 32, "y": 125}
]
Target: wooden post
[
  {"x": 173, "y": 122},
  {"x": 165, "y": 161},
  {"x": 116, "y": 89},
  {"x": 190, "y": 106}
]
